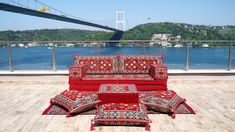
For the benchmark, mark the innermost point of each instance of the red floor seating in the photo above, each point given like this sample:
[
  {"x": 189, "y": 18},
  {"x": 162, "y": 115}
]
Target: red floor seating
[
  {"x": 147, "y": 72},
  {"x": 118, "y": 93}
]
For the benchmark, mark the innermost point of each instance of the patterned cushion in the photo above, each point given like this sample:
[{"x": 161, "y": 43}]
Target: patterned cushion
[
  {"x": 77, "y": 71},
  {"x": 138, "y": 63},
  {"x": 117, "y": 88},
  {"x": 118, "y": 77},
  {"x": 98, "y": 64},
  {"x": 158, "y": 71},
  {"x": 163, "y": 101},
  {"x": 118, "y": 63},
  {"x": 75, "y": 101},
  {"x": 121, "y": 114}
]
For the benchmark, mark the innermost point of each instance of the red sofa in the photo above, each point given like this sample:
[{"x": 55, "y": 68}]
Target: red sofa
[{"x": 147, "y": 72}]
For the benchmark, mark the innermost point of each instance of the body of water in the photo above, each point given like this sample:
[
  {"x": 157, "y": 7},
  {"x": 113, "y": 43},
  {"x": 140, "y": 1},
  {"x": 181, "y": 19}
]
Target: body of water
[{"x": 40, "y": 58}]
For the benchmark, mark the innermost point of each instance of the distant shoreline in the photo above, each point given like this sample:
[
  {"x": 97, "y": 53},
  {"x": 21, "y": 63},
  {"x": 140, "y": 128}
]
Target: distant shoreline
[{"x": 139, "y": 32}]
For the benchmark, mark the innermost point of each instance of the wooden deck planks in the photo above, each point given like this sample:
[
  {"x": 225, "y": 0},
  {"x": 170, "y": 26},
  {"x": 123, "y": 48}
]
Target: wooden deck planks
[{"x": 22, "y": 104}]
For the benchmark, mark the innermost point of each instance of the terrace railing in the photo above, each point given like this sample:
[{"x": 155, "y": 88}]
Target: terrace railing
[{"x": 57, "y": 55}]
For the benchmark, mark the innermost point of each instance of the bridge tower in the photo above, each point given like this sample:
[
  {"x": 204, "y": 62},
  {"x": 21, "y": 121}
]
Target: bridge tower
[{"x": 120, "y": 20}]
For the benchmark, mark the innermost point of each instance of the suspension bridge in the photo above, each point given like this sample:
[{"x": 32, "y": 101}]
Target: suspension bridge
[{"x": 18, "y": 7}]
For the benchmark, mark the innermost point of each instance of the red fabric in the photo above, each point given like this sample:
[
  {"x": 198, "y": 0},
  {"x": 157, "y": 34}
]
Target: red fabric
[
  {"x": 45, "y": 112},
  {"x": 73, "y": 95},
  {"x": 98, "y": 64},
  {"x": 167, "y": 95},
  {"x": 94, "y": 85},
  {"x": 54, "y": 109},
  {"x": 163, "y": 101},
  {"x": 118, "y": 98},
  {"x": 118, "y": 93},
  {"x": 84, "y": 87},
  {"x": 138, "y": 63},
  {"x": 121, "y": 106},
  {"x": 117, "y": 88},
  {"x": 147, "y": 127},
  {"x": 92, "y": 128},
  {"x": 136, "y": 82},
  {"x": 183, "y": 108},
  {"x": 151, "y": 87},
  {"x": 77, "y": 71},
  {"x": 118, "y": 77},
  {"x": 158, "y": 71},
  {"x": 75, "y": 101},
  {"x": 122, "y": 114},
  {"x": 118, "y": 63},
  {"x": 101, "y": 64},
  {"x": 107, "y": 69}
]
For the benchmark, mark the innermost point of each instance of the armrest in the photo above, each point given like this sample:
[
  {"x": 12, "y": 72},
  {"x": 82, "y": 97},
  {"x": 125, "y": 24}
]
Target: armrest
[
  {"x": 158, "y": 71},
  {"x": 77, "y": 71}
]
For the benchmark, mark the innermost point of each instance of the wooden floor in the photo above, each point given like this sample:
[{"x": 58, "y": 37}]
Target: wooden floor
[{"x": 22, "y": 102}]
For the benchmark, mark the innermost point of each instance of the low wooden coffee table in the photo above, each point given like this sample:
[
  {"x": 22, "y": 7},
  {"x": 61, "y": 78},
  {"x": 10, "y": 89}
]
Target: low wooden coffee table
[{"x": 118, "y": 93}]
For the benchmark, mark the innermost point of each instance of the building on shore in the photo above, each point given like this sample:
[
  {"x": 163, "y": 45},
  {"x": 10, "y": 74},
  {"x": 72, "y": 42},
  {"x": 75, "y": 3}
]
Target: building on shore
[
  {"x": 205, "y": 45},
  {"x": 178, "y": 46},
  {"x": 164, "y": 38}
]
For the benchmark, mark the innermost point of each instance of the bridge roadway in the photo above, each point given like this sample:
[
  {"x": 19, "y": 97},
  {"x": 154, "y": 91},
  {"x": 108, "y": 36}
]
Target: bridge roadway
[{"x": 21, "y": 10}]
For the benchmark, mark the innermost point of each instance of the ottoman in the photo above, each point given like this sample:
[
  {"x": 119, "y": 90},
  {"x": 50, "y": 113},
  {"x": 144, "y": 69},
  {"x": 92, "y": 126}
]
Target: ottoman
[{"x": 118, "y": 93}]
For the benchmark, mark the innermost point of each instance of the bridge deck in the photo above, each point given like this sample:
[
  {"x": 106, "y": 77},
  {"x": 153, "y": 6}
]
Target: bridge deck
[
  {"x": 22, "y": 103},
  {"x": 21, "y": 10}
]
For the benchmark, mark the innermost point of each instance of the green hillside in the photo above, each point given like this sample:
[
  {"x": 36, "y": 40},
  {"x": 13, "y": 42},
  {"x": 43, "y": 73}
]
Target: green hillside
[
  {"x": 54, "y": 34},
  {"x": 187, "y": 31},
  {"x": 140, "y": 32}
]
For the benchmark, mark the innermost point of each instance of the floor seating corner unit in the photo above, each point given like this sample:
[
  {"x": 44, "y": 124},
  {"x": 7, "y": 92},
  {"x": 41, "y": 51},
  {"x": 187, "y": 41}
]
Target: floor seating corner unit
[{"x": 147, "y": 72}]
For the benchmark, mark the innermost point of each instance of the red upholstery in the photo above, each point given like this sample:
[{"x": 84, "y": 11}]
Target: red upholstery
[
  {"x": 146, "y": 71},
  {"x": 163, "y": 101},
  {"x": 122, "y": 114},
  {"x": 98, "y": 64},
  {"x": 118, "y": 77},
  {"x": 141, "y": 85},
  {"x": 118, "y": 93},
  {"x": 138, "y": 63},
  {"x": 158, "y": 71},
  {"x": 75, "y": 101},
  {"x": 77, "y": 71}
]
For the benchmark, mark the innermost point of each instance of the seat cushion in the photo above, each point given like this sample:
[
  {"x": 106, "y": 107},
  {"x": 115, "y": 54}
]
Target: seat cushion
[
  {"x": 119, "y": 77},
  {"x": 121, "y": 114},
  {"x": 138, "y": 63},
  {"x": 158, "y": 71},
  {"x": 162, "y": 101},
  {"x": 75, "y": 101},
  {"x": 98, "y": 64}
]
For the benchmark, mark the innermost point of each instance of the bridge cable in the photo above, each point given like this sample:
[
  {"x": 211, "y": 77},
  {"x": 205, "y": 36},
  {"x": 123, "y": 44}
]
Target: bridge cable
[{"x": 37, "y": 1}]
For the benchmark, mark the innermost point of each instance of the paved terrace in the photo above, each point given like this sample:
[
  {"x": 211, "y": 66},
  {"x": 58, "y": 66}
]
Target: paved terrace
[{"x": 24, "y": 98}]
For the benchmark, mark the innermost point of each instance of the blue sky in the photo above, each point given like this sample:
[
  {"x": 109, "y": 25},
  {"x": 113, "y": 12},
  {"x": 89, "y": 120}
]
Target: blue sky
[{"x": 208, "y": 12}]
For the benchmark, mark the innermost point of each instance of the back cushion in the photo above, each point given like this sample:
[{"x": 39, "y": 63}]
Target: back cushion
[
  {"x": 138, "y": 63},
  {"x": 98, "y": 64}
]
